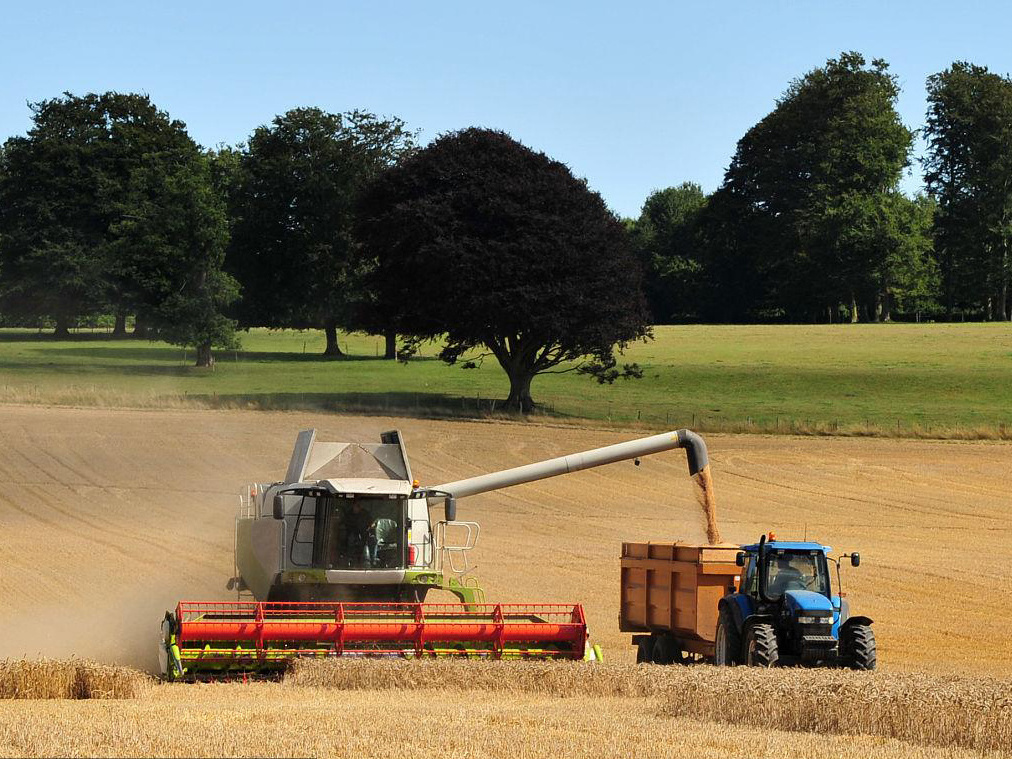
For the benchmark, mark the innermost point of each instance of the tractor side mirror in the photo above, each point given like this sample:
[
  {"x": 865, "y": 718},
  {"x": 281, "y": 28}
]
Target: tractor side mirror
[
  {"x": 450, "y": 507},
  {"x": 855, "y": 559},
  {"x": 279, "y": 506},
  {"x": 739, "y": 559}
]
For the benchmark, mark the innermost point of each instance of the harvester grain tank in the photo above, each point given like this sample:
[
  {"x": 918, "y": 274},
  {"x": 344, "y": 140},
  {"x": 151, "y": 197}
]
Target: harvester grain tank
[
  {"x": 336, "y": 559},
  {"x": 767, "y": 604}
]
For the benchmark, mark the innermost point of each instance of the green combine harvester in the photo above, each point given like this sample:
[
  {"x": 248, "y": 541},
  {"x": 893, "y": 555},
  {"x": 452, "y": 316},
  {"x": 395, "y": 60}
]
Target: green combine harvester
[{"x": 336, "y": 560}]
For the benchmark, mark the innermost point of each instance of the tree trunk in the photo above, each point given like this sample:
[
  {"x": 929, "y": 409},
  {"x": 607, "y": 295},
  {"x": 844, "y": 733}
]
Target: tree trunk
[
  {"x": 520, "y": 392},
  {"x": 205, "y": 357},
  {"x": 853, "y": 309},
  {"x": 332, "y": 349},
  {"x": 62, "y": 326},
  {"x": 119, "y": 330},
  {"x": 1002, "y": 307},
  {"x": 140, "y": 329},
  {"x": 887, "y": 307},
  {"x": 391, "y": 344}
]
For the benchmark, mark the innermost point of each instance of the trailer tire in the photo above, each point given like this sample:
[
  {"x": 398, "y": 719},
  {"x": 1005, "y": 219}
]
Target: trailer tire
[
  {"x": 727, "y": 648},
  {"x": 645, "y": 650},
  {"x": 761, "y": 648},
  {"x": 666, "y": 650},
  {"x": 859, "y": 650}
]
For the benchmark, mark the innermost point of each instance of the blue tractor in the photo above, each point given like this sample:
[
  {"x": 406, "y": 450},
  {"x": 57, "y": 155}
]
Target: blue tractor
[{"x": 785, "y": 611}]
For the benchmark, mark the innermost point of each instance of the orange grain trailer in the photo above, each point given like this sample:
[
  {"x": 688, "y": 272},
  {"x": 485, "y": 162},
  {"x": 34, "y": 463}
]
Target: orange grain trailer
[{"x": 670, "y": 593}]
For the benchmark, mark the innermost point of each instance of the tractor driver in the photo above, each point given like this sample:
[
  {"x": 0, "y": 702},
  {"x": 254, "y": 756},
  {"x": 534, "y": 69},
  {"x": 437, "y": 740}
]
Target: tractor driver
[{"x": 784, "y": 575}]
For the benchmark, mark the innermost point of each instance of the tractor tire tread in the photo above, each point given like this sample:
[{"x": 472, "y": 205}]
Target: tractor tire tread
[
  {"x": 859, "y": 647},
  {"x": 765, "y": 652}
]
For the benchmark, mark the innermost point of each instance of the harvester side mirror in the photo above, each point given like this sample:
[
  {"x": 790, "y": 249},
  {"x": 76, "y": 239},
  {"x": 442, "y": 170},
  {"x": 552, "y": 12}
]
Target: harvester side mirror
[
  {"x": 739, "y": 559},
  {"x": 450, "y": 506},
  {"x": 279, "y": 506},
  {"x": 855, "y": 559}
]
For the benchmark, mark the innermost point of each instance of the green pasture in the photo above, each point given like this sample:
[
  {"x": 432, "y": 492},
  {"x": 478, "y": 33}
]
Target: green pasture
[{"x": 944, "y": 379}]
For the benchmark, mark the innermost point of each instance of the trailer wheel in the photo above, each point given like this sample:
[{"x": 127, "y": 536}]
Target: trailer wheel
[
  {"x": 667, "y": 650},
  {"x": 728, "y": 642},
  {"x": 761, "y": 646},
  {"x": 645, "y": 650},
  {"x": 858, "y": 643}
]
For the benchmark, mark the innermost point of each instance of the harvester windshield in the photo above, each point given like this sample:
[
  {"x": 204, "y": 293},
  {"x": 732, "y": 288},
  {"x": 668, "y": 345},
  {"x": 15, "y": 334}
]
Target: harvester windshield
[
  {"x": 360, "y": 532},
  {"x": 795, "y": 570}
]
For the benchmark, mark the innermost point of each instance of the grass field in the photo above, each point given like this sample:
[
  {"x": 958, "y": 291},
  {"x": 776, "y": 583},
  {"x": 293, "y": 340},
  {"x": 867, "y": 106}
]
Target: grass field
[{"x": 945, "y": 380}]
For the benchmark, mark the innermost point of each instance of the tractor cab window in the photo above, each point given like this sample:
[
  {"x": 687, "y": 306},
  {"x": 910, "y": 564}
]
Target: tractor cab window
[
  {"x": 748, "y": 583},
  {"x": 796, "y": 570},
  {"x": 364, "y": 533}
]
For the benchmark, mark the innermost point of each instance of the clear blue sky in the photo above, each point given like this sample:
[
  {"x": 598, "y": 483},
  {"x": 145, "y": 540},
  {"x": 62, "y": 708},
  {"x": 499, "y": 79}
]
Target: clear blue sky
[{"x": 633, "y": 96}]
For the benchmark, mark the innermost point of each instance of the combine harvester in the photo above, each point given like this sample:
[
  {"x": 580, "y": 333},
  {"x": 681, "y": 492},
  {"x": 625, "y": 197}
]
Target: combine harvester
[{"x": 340, "y": 566}]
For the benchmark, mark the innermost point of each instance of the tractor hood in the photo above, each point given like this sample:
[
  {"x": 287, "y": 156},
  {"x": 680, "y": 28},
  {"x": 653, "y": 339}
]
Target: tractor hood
[{"x": 807, "y": 600}]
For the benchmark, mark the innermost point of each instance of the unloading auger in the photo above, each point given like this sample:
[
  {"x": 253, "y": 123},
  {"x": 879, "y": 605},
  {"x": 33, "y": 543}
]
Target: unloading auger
[{"x": 336, "y": 560}]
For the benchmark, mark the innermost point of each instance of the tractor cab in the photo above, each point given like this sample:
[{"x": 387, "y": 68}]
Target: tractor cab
[{"x": 785, "y": 610}]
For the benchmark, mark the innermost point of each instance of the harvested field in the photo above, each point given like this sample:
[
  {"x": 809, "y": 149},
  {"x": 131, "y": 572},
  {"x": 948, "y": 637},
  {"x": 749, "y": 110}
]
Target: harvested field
[{"x": 110, "y": 516}]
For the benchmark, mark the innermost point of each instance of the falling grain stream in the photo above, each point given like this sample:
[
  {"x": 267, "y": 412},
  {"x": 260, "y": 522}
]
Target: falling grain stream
[{"x": 708, "y": 502}]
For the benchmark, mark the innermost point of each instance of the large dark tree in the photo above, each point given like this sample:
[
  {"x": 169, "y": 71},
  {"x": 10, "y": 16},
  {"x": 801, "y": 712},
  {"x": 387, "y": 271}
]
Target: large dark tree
[
  {"x": 811, "y": 182},
  {"x": 85, "y": 201},
  {"x": 667, "y": 240},
  {"x": 485, "y": 242},
  {"x": 292, "y": 203},
  {"x": 969, "y": 171}
]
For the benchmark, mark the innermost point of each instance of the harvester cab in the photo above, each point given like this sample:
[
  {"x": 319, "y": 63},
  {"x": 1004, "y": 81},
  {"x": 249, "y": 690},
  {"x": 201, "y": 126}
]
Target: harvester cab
[
  {"x": 786, "y": 611},
  {"x": 348, "y": 524}
]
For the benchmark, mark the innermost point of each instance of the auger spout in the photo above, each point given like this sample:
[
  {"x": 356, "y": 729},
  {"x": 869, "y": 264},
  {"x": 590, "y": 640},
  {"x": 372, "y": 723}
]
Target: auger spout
[{"x": 574, "y": 462}]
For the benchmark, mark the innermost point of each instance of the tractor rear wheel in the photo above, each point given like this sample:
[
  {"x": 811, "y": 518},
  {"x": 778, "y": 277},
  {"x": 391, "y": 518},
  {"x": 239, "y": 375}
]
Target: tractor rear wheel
[
  {"x": 727, "y": 648},
  {"x": 858, "y": 646},
  {"x": 761, "y": 646}
]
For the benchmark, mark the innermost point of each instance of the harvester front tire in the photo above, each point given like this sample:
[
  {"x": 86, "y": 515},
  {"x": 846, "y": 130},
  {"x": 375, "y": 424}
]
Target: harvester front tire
[
  {"x": 859, "y": 651},
  {"x": 727, "y": 648},
  {"x": 761, "y": 648}
]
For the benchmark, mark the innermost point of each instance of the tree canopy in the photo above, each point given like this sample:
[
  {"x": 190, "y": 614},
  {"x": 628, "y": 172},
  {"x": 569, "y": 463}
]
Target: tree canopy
[
  {"x": 814, "y": 181},
  {"x": 668, "y": 242},
  {"x": 481, "y": 239},
  {"x": 292, "y": 200},
  {"x": 969, "y": 171},
  {"x": 106, "y": 205}
]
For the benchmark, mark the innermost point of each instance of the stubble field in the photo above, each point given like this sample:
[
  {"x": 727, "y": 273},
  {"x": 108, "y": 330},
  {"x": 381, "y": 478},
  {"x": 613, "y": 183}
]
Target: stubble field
[{"x": 109, "y": 517}]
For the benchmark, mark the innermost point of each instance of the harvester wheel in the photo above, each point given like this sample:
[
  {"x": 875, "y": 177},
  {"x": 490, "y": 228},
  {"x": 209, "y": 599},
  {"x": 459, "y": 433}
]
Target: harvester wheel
[
  {"x": 727, "y": 649},
  {"x": 645, "y": 650},
  {"x": 761, "y": 646},
  {"x": 667, "y": 650},
  {"x": 859, "y": 647}
]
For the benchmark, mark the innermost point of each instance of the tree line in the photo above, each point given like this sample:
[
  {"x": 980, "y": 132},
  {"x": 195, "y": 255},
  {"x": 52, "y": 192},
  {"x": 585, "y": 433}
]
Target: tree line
[
  {"x": 108, "y": 208},
  {"x": 810, "y": 225}
]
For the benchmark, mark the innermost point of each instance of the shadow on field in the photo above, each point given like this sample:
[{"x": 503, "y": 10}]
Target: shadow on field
[
  {"x": 399, "y": 403},
  {"x": 161, "y": 352}
]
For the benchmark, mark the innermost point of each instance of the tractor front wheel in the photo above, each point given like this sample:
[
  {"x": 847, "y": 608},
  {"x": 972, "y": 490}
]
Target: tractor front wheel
[
  {"x": 727, "y": 647},
  {"x": 858, "y": 644},
  {"x": 761, "y": 646}
]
